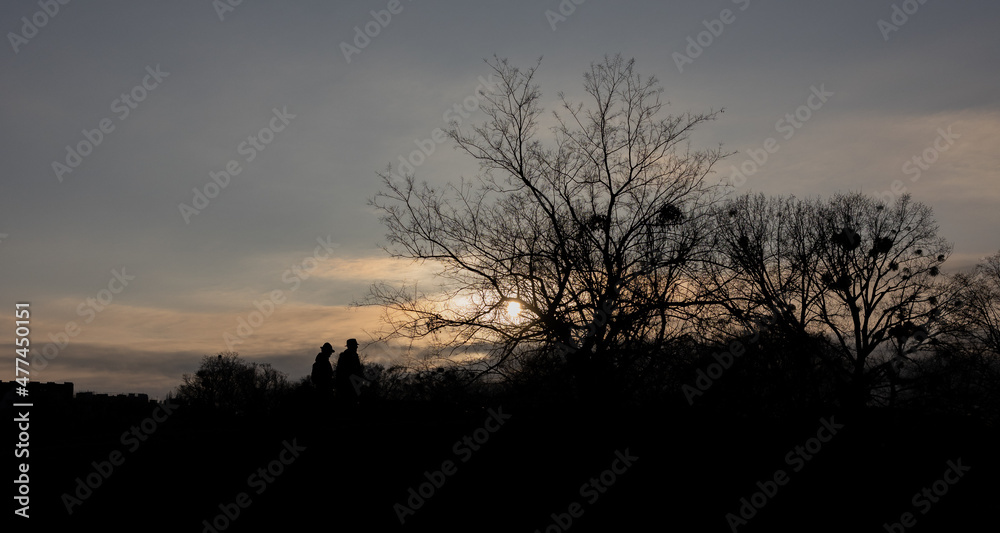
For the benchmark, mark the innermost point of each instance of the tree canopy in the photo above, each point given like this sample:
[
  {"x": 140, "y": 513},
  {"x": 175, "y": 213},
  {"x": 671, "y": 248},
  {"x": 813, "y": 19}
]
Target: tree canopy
[
  {"x": 601, "y": 246},
  {"x": 228, "y": 384},
  {"x": 610, "y": 208}
]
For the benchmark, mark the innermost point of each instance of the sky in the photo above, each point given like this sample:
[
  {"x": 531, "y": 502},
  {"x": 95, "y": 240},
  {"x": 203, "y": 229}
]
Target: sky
[{"x": 137, "y": 262}]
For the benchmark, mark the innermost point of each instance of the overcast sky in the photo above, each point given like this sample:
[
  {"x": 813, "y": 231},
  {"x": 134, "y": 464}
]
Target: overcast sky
[{"x": 178, "y": 87}]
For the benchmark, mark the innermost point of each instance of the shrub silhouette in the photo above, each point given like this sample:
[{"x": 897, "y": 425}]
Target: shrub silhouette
[{"x": 228, "y": 385}]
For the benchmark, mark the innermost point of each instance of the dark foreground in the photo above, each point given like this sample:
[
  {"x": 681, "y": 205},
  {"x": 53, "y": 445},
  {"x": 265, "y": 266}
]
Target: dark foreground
[{"x": 532, "y": 468}]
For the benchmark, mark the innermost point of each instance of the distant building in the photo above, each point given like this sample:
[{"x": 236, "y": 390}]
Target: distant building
[
  {"x": 41, "y": 393},
  {"x": 49, "y": 393}
]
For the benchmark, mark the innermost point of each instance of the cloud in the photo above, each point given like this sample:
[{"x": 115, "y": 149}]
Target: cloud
[
  {"x": 195, "y": 281},
  {"x": 843, "y": 151}
]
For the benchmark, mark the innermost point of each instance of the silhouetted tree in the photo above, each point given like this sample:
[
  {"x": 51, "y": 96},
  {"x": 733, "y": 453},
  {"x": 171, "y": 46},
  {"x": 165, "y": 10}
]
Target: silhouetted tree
[
  {"x": 229, "y": 384},
  {"x": 591, "y": 231},
  {"x": 862, "y": 274},
  {"x": 975, "y": 311},
  {"x": 964, "y": 375},
  {"x": 765, "y": 265},
  {"x": 881, "y": 265}
]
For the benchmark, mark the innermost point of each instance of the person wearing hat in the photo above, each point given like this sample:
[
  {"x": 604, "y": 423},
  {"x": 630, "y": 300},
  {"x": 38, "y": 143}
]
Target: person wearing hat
[
  {"x": 349, "y": 364},
  {"x": 322, "y": 372}
]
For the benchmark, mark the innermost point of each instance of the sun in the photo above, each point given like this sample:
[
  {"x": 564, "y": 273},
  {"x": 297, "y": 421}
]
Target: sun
[{"x": 513, "y": 309}]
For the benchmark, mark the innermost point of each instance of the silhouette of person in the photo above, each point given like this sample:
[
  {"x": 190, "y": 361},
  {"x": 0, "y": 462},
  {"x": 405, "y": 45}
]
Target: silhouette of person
[
  {"x": 322, "y": 372},
  {"x": 349, "y": 364}
]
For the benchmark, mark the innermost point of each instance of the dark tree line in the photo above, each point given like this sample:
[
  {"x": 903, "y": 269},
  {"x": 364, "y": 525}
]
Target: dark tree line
[
  {"x": 631, "y": 272},
  {"x": 629, "y": 266}
]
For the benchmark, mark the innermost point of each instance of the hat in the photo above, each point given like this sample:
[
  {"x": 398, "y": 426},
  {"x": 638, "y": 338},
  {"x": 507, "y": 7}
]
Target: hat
[
  {"x": 352, "y": 342},
  {"x": 327, "y": 346}
]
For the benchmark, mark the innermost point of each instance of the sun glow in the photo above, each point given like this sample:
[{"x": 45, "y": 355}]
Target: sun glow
[{"x": 513, "y": 309}]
